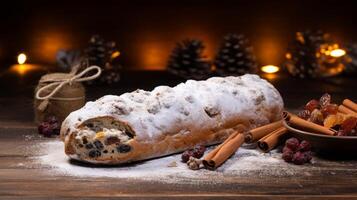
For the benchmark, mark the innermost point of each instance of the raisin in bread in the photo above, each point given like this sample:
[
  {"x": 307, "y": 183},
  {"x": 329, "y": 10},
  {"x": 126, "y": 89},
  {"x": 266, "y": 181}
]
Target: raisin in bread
[{"x": 141, "y": 124}]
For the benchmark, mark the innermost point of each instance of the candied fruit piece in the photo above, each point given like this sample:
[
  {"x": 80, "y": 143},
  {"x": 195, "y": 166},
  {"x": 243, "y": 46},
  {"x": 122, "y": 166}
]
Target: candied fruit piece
[
  {"x": 349, "y": 124},
  {"x": 304, "y": 114},
  {"x": 330, "y": 109},
  {"x": 330, "y": 121},
  {"x": 316, "y": 117},
  {"x": 312, "y": 105},
  {"x": 325, "y": 100}
]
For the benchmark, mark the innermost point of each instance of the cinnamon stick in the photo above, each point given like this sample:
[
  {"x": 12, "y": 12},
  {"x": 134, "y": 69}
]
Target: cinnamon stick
[
  {"x": 211, "y": 154},
  {"x": 306, "y": 125},
  {"x": 271, "y": 140},
  {"x": 258, "y": 133},
  {"x": 219, "y": 155},
  {"x": 343, "y": 109},
  {"x": 350, "y": 104}
]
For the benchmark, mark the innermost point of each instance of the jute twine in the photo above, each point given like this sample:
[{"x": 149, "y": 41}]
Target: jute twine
[{"x": 59, "y": 94}]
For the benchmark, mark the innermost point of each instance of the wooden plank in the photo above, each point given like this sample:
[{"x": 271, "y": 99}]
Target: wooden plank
[{"x": 338, "y": 179}]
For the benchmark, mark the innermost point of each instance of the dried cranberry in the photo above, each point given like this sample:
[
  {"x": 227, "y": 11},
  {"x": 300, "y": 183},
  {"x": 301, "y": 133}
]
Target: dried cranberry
[
  {"x": 45, "y": 129},
  {"x": 325, "y": 100},
  {"x": 312, "y": 105},
  {"x": 298, "y": 158},
  {"x": 49, "y": 127},
  {"x": 307, "y": 156},
  {"x": 186, "y": 156},
  {"x": 287, "y": 154},
  {"x": 304, "y": 114},
  {"x": 330, "y": 109},
  {"x": 304, "y": 146},
  {"x": 198, "y": 151},
  {"x": 292, "y": 143},
  {"x": 285, "y": 149}
]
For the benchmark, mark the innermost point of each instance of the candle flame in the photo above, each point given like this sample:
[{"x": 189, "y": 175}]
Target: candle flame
[
  {"x": 270, "y": 69},
  {"x": 21, "y": 58},
  {"x": 337, "y": 53}
]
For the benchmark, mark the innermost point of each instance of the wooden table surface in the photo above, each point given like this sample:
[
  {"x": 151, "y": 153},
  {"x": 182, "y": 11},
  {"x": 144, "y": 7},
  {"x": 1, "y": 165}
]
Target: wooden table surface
[{"x": 334, "y": 179}]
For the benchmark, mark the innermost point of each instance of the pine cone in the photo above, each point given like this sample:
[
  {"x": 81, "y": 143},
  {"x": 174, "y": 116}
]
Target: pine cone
[
  {"x": 186, "y": 60},
  {"x": 104, "y": 54},
  {"x": 235, "y": 56},
  {"x": 301, "y": 59}
]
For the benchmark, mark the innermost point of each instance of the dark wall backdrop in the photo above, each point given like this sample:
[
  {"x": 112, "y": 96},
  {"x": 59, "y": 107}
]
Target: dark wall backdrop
[{"x": 146, "y": 31}]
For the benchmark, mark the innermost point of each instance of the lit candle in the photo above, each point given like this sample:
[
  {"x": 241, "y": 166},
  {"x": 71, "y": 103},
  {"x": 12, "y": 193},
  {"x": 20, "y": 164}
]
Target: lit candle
[
  {"x": 270, "y": 69},
  {"x": 330, "y": 59},
  {"x": 22, "y": 68}
]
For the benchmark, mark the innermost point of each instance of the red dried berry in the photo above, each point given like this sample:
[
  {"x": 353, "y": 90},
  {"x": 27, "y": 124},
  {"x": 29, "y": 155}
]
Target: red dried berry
[
  {"x": 325, "y": 100},
  {"x": 186, "y": 156},
  {"x": 307, "y": 156},
  {"x": 49, "y": 127},
  {"x": 349, "y": 124},
  {"x": 298, "y": 158},
  {"x": 45, "y": 129},
  {"x": 312, "y": 105},
  {"x": 286, "y": 149},
  {"x": 304, "y": 114},
  {"x": 304, "y": 146},
  {"x": 292, "y": 143},
  {"x": 198, "y": 151},
  {"x": 330, "y": 109},
  {"x": 288, "y": 156}
]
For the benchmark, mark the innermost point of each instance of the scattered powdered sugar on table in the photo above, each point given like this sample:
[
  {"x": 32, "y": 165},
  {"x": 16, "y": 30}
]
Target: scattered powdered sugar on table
[{"x": 244, "y": 162}]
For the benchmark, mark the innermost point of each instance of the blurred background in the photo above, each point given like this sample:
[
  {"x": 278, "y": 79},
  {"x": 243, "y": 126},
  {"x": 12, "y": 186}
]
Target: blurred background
[
  {"x": 146, "y": 31},
  {"x": 146, "y": 34}
]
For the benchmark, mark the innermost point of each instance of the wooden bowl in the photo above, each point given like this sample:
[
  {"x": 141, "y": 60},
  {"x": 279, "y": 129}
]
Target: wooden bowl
[{"x": 326, "y": 145}]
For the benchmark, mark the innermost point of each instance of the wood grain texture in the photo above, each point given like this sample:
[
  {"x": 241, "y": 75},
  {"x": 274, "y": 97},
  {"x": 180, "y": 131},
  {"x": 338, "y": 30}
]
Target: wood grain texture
[
  {"x": 18, "y": 136},
  {"x": 331, "y": 180}
]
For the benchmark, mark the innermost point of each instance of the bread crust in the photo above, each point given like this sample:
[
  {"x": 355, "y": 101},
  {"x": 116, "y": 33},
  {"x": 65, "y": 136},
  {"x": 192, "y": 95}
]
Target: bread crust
[{"x": 209, "y": 121}]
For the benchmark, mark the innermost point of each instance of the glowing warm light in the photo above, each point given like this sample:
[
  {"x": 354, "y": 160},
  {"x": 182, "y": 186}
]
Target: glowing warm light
[
  {"x": 22, "y": 69},
  {"x": 270, "y": 69},
  {"x": 337, "y": 53},
  {"x": 21, "y": 58},
  {"x": 115, "y": 54}
]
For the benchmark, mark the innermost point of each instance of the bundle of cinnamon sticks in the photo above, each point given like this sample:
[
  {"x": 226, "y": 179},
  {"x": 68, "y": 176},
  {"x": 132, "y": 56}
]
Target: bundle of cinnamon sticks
[
  {"x": 348, "y": 107},
  {"x": 268, "y": 136}
]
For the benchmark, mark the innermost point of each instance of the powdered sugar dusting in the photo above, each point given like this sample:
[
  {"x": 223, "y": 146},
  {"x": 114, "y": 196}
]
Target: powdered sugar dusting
[
  {"x": 244, "y": 163},
  {"x": 152, "y": 113}
]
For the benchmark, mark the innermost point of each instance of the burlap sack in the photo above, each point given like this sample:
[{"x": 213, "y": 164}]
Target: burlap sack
[
  {"x": 67, "y": 99},
  {"x": 59, "y": 94}
]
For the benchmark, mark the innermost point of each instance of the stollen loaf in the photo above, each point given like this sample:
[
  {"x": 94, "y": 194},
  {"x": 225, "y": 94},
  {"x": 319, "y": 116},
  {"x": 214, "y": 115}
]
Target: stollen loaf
[{"x": 145, "y": 124}]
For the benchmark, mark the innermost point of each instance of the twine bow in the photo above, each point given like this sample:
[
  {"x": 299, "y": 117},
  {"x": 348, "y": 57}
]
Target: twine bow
[{"x": 58, "y": 84}]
